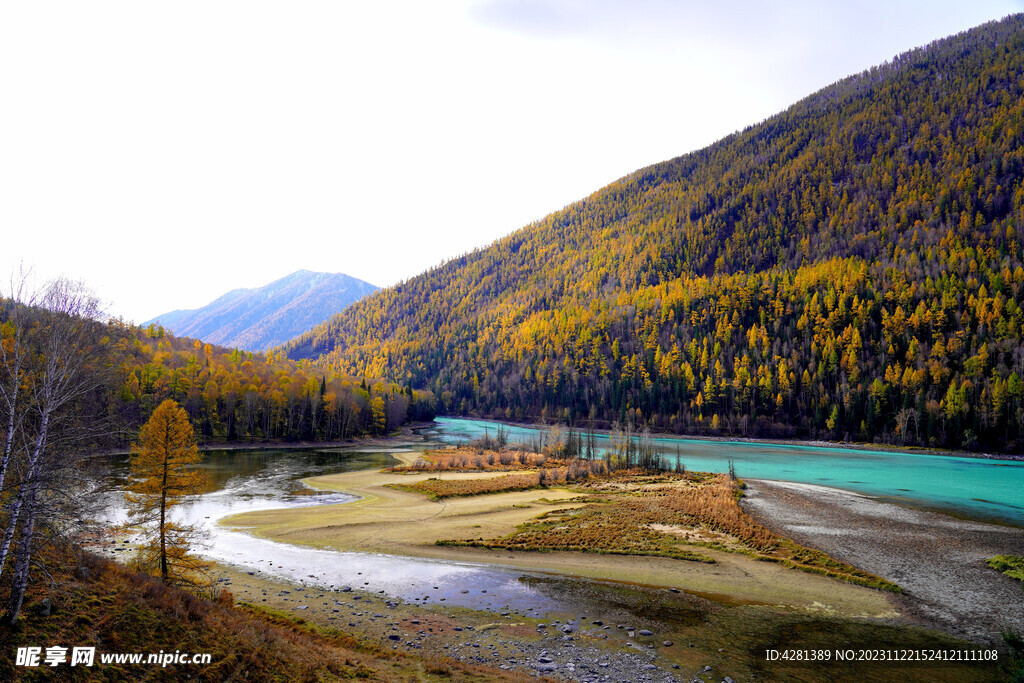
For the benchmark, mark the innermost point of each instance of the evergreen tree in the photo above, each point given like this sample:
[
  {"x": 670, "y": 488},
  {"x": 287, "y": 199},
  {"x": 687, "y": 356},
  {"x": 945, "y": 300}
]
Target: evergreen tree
[{"x": 161, "y": 464}]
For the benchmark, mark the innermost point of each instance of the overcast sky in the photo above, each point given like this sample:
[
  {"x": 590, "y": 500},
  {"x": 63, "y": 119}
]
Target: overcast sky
[{"x": 167, "y": 152}]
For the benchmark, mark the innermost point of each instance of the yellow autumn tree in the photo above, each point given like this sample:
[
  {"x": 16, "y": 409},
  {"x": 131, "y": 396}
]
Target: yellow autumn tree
[
  {"x": 160, "y": 467},
  {"x": 380, "y": 417}
]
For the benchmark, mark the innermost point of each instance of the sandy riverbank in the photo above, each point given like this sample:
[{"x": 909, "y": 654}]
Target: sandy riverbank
[
  {"x": 938, "y": 560},
  {"x": 385, "y": 520},
  {"x": 753, "y": 605}
]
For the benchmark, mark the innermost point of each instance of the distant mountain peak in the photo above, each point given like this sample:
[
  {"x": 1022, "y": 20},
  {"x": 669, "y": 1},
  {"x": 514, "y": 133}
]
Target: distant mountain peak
[{"x": 260, "y": 318}]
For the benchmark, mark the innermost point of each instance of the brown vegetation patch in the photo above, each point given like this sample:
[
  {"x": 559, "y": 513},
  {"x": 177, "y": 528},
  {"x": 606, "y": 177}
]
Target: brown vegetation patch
[
  {"x": 698, "y": 535},
  {"x": 666, "y": 514},
  {"x": 445, "y": 488},
  {"x": 472, "y": 458},
  {"x": 576, "y": 470}
]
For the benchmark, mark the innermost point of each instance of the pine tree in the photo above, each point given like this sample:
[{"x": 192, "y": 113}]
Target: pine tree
[{"x": 160, "y": 464}]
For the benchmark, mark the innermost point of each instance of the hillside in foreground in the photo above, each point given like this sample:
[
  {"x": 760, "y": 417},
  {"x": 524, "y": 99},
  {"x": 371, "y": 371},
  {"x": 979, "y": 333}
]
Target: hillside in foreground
[
  {"x": 103, "y": 605},
  {"x": 261, "y": 318},
  {"x": 849, "y": 268}
]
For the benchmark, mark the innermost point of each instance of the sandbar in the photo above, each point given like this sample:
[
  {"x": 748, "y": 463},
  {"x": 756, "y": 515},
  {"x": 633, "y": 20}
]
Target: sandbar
[{"x": 390, "y": 521}]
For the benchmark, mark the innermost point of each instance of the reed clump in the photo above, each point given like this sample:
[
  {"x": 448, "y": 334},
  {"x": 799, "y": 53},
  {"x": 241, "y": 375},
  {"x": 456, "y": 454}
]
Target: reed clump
[
  {"x": 470, "y": 459},
  {"x": 574, "y": 471}
]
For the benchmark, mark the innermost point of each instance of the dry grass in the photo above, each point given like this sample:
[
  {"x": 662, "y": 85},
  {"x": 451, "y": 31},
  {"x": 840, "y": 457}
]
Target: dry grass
[
  {"x": 574, "y": 471},
  {"x": 541, "y": 470},
  {"x": 666, "y": 515},
  {"x": 469, "y": 458},
  {"x": 436, "y": 489},
  {"x": 597, "y": 528},
  {"x": 695, "y": 500}
]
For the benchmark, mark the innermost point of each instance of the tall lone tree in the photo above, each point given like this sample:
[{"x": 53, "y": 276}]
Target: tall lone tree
[{"x": 160, "y": 465}]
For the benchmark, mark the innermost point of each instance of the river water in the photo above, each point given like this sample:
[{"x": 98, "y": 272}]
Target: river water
[
  {"x": 244, "y": 480},
  {"x": 259, "y": 479},
  {"x": 976, "y": 488}
]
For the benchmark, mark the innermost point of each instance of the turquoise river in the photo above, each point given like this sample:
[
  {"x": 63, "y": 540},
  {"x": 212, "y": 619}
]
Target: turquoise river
[{"x": 976, "y": 488}]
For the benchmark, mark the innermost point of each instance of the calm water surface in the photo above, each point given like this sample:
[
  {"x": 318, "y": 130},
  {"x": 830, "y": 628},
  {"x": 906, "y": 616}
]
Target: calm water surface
[{"x": 976, "y": 488}]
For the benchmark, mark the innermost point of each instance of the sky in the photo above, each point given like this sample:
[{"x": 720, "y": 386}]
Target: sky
[{"x": 167, "y": 152}]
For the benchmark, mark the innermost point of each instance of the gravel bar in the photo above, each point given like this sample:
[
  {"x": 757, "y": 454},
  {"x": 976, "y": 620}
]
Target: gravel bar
[{"x": 938, "y": 560}]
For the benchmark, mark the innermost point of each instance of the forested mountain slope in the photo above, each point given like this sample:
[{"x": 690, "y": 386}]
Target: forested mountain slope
[
  {"x": 849, "y": 268},
  {"x": 258, "y": 319},
  {"x": 229, "y": 395},
  {"x": 234, "y": 395}
]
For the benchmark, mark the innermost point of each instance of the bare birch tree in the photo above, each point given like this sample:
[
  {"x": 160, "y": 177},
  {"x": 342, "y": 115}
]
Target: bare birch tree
[
  {"x": 13, "y": 366},
  {"x": 60, "y": 337}
]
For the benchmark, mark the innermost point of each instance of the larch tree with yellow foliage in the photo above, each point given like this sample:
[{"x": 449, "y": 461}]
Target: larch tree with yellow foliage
[{"x": 161, "y": 466}]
